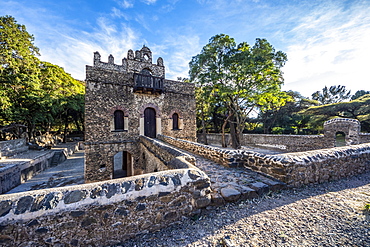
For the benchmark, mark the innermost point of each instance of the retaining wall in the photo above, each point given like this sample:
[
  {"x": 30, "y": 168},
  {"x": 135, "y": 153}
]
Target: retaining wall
[
  {"x": 9, "y": 148},
  {"x": 364, "y": 137},
  {"x": 294, "y": 169},
  {"x": 286, "y": 143},
  {"x": 16, "y": 172},
  {"x": 102, "y": 213}
]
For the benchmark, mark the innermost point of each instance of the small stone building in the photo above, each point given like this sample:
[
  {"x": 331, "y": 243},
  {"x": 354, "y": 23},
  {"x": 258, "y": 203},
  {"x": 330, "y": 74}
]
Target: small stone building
[{"x": 125, "y": 101}]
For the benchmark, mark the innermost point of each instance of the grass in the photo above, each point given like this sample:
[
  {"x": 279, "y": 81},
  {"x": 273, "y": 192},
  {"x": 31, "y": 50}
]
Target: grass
[{"x": 367, "y": 207}]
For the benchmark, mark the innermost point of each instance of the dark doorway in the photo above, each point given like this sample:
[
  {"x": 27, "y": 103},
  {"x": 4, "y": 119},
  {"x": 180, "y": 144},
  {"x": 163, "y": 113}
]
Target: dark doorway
[
  {"x": 122, "y": 164},
  {"x": 150, "y": 123},
  {"x": 340, "y": 139}
]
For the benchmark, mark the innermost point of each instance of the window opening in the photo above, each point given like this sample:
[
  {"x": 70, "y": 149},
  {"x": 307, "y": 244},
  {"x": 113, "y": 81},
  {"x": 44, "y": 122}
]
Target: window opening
[
  {"x": 118, "y": 120},
  {"x": 175, "y": 121}
]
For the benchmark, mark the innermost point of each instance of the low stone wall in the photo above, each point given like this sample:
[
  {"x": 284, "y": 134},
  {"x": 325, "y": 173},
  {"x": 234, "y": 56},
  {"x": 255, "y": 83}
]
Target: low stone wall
[
  {"x": 364, "y": 137},
  {"x": 102, "y": 213},
  {"x": 294, "y": 169},
  {"x": 168, "y": 154},
  {"x": 316, "y": 166},
  {"x": 16, "y": 172},
  {"x": 221, "y": 156},
  {"x": 9, "y": 148},
  {"x": 286, "y": 143}
]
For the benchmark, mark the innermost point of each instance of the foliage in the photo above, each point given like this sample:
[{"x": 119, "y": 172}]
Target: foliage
[
  {"x": 367, "y": 207},
  {"x": 286, "y": 119},
  {"x": 358, "y": 109},
  {"x": 359, "y": 93},
  {"x": 34, "y": 93},
  {"x": 332, "y": 95},
  {"x": 239, "y": 79}
]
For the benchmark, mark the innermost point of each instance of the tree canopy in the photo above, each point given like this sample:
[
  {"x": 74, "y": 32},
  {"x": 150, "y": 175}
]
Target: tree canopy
[
  {"x": 34, "y": 93},
  {"x": 239, "y": 79},
  {"x": 331, "y": 95},
  {"x": 357, "y": 109}
]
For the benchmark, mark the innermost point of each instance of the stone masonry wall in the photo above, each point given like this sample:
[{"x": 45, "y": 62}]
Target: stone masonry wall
[
  {"x": 103, "y": 213},
  {"x": 14, "y": 173},
  {"x": 294, "y": 169},
  {"x": 9, "y": 148},
  {"x": 300, "y": 143}
]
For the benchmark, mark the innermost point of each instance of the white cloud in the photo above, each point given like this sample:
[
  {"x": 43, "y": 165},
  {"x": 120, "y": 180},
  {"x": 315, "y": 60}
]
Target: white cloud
[
  {"x": 126, "y": 3},
  {"x": 180, "y": 49},
  {"x": 330, "y": 48},
  {"x": 149, "y": 1},
  {"x": 74, "y": 50}
]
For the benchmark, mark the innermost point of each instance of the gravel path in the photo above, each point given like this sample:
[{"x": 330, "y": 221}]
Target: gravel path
[{"x": 328, "y": 214}]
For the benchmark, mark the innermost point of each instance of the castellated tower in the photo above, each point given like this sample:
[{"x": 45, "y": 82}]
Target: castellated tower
[{"x": 125, "y": 101}]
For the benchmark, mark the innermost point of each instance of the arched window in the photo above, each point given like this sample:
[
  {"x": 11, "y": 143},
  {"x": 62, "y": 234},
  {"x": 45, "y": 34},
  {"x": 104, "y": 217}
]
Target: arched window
[
  {"x": 175, "y": 121},
  {"x": 119, "y": 120}
]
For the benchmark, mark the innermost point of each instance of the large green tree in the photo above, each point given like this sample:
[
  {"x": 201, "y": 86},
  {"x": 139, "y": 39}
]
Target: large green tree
[
  {"x": 19, "y": 70},
  {"x": 241, "y": 77},
  {"x": 36, "y": 94}
]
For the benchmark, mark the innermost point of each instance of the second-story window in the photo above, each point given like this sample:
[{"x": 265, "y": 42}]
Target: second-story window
[
  {"x": 119, "y": 120},
  {"x": 175, "y": 121}
]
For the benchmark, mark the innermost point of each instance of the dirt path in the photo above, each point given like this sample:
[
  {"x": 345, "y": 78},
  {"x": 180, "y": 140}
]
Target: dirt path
[{"x": 328, "y": 214}]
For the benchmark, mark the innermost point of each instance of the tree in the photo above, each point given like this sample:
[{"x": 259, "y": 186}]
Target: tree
[
  {"x": 33, "y": 93},
  {"x": 358, "y": 109},
  {"x": 286, "y": 120},
  {"x": 359, "y": 93},
  {"x": 332, "y": 95},
  {"x": 240, "y": 77}
]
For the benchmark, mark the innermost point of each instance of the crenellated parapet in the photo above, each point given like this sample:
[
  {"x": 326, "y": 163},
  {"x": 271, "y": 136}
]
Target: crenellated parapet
[{"x": 138, "y": 62}]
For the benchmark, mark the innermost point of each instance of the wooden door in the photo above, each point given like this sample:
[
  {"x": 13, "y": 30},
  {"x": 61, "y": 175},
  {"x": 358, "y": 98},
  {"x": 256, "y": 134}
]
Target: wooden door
[{"x": 150, "y": 123}]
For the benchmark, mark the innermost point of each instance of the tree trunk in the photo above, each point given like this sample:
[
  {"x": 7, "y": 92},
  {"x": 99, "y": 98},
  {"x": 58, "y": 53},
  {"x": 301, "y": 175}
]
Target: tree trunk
[
  {"x": 234, "y": 135},
  {"x": 65, "y": 129}
]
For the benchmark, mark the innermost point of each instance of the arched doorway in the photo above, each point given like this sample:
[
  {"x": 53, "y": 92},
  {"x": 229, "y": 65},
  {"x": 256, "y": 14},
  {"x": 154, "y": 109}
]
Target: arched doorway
[
  {"x": 150, "y": 123},
  {"x": 122, "y": 164},
  {"x": 340, "y": 139}
]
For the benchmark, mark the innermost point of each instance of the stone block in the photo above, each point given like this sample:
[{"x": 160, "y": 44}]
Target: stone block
[{"x": 230, "y": 194}]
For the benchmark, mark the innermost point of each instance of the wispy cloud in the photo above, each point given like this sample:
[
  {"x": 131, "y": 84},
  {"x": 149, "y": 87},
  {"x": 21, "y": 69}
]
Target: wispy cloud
[
  {"x": 149, "y": 1},
  {"x": 330, "y": 47},
  {"x": 126, "y": 3}
]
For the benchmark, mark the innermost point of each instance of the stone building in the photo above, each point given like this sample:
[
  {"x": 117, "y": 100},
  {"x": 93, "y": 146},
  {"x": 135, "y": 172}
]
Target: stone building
[{"x": 125, "y": 101}]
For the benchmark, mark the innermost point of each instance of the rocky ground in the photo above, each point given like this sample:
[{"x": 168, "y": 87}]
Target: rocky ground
[{"x": 328, "y": 214}]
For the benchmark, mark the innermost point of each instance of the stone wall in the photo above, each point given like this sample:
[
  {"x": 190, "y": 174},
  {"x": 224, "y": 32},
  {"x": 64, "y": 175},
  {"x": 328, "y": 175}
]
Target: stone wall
[
  {"x": 287, "y": 143},
  {"x": 9, "y": 148},
  {"x": 102, "y": 213},
  {"x": 364, "y": 137},
  {"x": 299, "y": 143},
  {"x": 294, "y": 169},
  {"x": 14, "y": 173}
]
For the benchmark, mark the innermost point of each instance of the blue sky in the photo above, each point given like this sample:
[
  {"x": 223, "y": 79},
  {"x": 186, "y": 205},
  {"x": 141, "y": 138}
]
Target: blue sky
[{"x": 327, "y": 42}]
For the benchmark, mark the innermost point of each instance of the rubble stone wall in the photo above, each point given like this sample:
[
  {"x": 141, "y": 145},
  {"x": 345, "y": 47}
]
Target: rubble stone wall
[
  {"x": 294, "y": 169},
  {"x": 9, "y": 148},
  {"x": 102, "y": 213},
  {"x": 299, "y": 143},
  {"x": 14, "y": 173}
]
